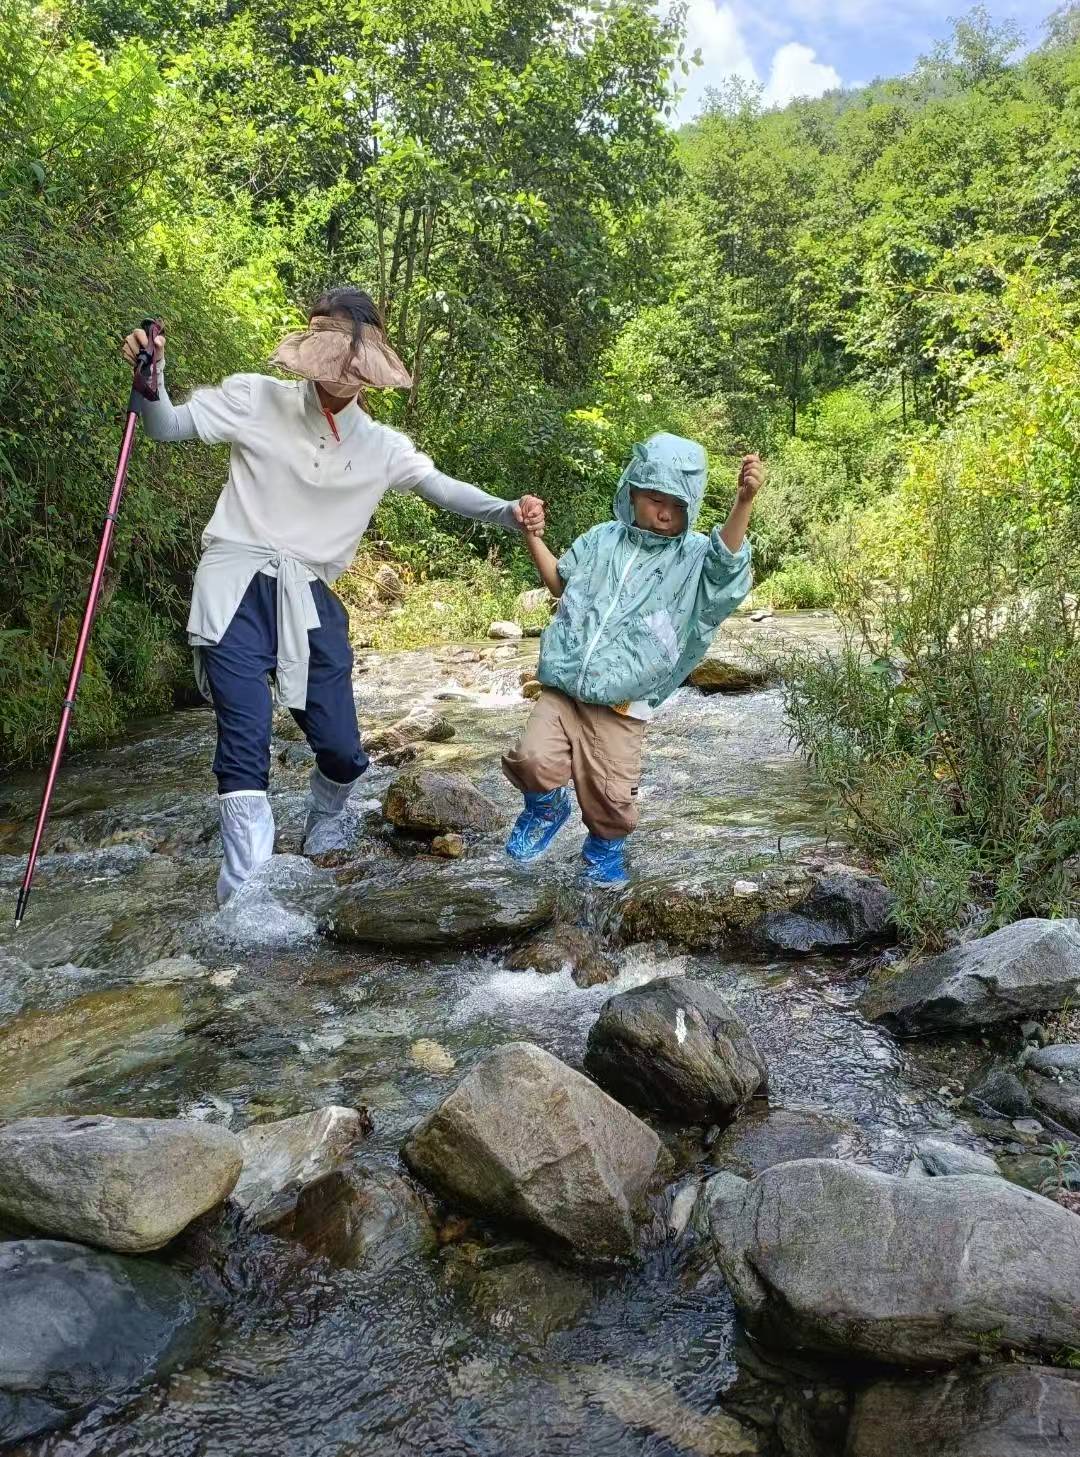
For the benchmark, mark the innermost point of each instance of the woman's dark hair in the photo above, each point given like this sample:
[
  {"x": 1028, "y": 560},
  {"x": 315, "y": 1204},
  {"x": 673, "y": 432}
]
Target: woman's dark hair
[{"x": 350, "y": 303}]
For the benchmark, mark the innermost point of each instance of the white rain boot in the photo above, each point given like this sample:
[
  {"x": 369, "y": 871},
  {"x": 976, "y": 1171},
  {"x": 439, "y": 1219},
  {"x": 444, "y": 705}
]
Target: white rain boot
[
  {"x": 326, "y": 829},
  {"x": 247, "y": 838}
]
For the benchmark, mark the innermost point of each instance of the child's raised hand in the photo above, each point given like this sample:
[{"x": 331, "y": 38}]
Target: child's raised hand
[
  {"x": 751, "y": 478},
  {"x": 530, "y": 514}
]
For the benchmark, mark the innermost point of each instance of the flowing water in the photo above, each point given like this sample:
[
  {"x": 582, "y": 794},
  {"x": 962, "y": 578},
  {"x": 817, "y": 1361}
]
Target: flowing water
[{"x": 501, "y": 1356}]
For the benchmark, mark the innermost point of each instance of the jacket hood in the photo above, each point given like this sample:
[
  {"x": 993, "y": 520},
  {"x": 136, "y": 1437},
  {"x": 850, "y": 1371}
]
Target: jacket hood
[{"x": 667, "y": 463}]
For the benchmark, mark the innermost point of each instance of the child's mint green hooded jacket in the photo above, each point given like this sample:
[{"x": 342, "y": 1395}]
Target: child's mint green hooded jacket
[{"x": 639, "y": 610}]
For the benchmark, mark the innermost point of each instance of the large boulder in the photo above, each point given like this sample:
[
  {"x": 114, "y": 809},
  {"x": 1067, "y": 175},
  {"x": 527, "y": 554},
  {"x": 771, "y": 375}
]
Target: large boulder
[
  {"x": 280, "y": 1158},
  {"x": 456, "y": 907},
  {"x": 1030, "y": 966},
  {"x": 675, "y": 1046},
  {"x": 128, "y": 1184},
  {"x": 77, "y": 1326},
  {"x": 528, "y": 1139},
  {"x": 359, "y": 1217},
  {"x": 842, "y": 1260},
  {"x": 729, "y": 674},
  {"x": 423, "y": 725},
  {"x": 1055, "y": 1101},
  {"x": 431, "y": 802},
  {"x": 781, "y": 1135},
  {"x": 845, "y": 909},
  {"x": 1005, "y": 1411},
  {"x": 1060, "y": 1059},
  {"x": 940, "y": 1158},
  {"x": 700, "y": 914},
  {"x": 103, "y": 1034}
]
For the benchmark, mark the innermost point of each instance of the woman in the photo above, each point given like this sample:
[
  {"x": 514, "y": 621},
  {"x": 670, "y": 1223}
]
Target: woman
[{"x": 307, "y": 467}]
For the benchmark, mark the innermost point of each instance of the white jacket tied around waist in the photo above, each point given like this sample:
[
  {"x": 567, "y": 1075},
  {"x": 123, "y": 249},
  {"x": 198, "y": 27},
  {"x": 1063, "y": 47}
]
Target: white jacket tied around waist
[{"x": 301, "y": 489}]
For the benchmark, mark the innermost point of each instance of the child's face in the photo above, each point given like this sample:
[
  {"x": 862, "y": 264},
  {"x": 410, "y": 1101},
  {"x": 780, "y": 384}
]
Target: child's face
[{"x": 655, "y": 511}]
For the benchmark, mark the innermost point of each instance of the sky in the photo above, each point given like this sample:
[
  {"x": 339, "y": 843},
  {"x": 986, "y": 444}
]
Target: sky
[{"x": 806, "y": 47}]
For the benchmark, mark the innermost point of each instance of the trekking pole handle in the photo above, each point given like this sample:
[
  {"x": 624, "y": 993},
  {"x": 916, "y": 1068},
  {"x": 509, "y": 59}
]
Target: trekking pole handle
[{"x": 145, "y": 378}]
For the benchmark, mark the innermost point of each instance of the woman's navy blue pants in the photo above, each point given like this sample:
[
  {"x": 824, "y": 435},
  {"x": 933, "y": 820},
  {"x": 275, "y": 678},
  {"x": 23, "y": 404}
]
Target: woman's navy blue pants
[{"x": 239, "y": 668}]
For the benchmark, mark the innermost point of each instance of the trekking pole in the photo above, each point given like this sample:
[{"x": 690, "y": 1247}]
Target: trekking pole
[{"x": 144, "y": 382}]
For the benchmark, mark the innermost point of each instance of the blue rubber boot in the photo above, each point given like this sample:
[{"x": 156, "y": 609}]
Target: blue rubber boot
[
  {"x": 538, "y": 823},
  {"x": 604, "y": 862}
]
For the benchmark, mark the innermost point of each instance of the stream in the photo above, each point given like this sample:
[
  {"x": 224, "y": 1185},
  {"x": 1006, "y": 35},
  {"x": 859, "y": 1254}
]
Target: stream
[{"x": 447, "y": 1355}]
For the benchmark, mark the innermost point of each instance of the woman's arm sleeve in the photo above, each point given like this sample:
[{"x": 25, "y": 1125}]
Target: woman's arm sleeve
[
  {"x": 466, "y": 500},
  {"x": 164, "y": 420}
]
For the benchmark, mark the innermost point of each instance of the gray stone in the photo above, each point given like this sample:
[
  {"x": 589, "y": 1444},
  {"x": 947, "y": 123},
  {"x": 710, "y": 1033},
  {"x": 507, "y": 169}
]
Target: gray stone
[
  {"x": 529, "y": 1299},
  {"x": 77, "y": 1326},
  {"x": 846, "y": 909},
  {"x": 280, "y": 1158},
  {"x": 839, "y": 1259},
  {"x": 717, "y": 674},
  {"x": 565, "y": 948},
  {"x": 526, "y": 1138},
  {"x": 509, "y": 631},
  {"x": 675, "y": 1046},
  {"x": 1003, "y": 1092},
  {"x": 1006, "y": 1411},
  {"x": 128, "y": 1184},
  {"x": 938, "y": 1158},
  {"x": 359, "y": 1217},
  {"x": 1057, "y": 1102},
  {"x": 423, "y": 725},
  {"x": 1060, "y": 1058},
  {"x": 434, "y": 802},
  {"x": 533, "y": 599},
  {"x": 1031, "y": 966},
  {"x": 781, "y": 1135},
  {"x": 457, "y": 906},
  {"x": 388, "y": 585}
]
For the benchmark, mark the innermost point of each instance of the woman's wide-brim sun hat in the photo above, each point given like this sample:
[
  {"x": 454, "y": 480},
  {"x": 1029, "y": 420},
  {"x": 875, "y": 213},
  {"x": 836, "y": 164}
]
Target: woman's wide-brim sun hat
[{"x": 333, "y": 352}]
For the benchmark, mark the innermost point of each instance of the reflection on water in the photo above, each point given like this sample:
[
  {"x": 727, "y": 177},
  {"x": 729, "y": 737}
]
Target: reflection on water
[{"x": 490, "y": 1353}]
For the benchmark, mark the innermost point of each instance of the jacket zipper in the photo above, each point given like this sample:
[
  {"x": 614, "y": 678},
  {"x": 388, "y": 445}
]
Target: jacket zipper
[{"x": 604, "y": 620}]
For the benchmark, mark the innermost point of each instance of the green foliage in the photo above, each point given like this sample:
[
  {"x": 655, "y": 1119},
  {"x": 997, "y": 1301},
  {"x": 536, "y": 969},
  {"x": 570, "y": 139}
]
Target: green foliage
[{"x": 950, "y": 728}]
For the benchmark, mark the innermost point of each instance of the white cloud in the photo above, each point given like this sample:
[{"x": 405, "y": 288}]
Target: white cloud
[
  {"x": 796, "y": 71},
  {"x": 715, "y": 30}
]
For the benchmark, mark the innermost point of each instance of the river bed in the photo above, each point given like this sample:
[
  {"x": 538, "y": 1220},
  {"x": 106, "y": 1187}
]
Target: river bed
[{"x": 507, "y": 1356}]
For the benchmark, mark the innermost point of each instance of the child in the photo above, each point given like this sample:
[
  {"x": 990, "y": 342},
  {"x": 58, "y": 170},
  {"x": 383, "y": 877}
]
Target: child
[{"x": 639, "y": 600}]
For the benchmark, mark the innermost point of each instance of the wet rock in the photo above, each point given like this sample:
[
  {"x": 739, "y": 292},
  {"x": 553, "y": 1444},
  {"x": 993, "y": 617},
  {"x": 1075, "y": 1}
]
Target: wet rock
[
  {"x": 280, "y": 1158},
  {"x": 128, "y": 1184},
  {"x": 1006, "y": 1411},
  {"x": 1002, "y": 1092},
  {"x": 781, "y": 1135},
  {"x": 840, "y": 1259},
  {"x": 1060, "y": 1059},
  {"x": 564, "y": 948},
  {"x": 102, "y": 1034},
  {"x": 708, "y": 913},
  {"x": 528, "y": 1299},
  {"x": 729, "y": 675},
  {"x": 675, "y": 1046},
  {"x": 1055, "y": 1101},
  {"x": 938, "y": 1158},
  {"x": 388, "y": 585},
  {"x": 1030, "y": 966},
  {"x": 357, "y": 1217},
  {"x": 657, "y": 1408},
  {"x": 421, "y": 726},
  {"x": 452, "y": 908},
  {"x": 533, "y": 599},
  {"x": 528, "y": 1139},
  {"x": 77, "y": 1326},
  {"x": 1034, "y": 1032},
  {"x": 450, "y": 847},
  {"x": 431, "y": 1057},
  {"x": 761, "y": 615},
  {"x": 846, "y": 908},
  {"x": 509, "y": 631},
  {"x": 433, "y": 802}
]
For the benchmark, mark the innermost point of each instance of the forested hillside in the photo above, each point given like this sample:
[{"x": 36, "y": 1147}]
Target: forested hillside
[{"x": 876, "y": 289}]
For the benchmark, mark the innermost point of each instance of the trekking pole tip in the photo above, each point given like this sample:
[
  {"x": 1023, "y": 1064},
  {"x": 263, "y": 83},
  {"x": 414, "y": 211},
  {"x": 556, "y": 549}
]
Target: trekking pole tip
[{"x": 20, "y": 907}]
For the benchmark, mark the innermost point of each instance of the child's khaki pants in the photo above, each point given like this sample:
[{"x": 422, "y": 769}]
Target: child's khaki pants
[{"x": 599, "y": 749}]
